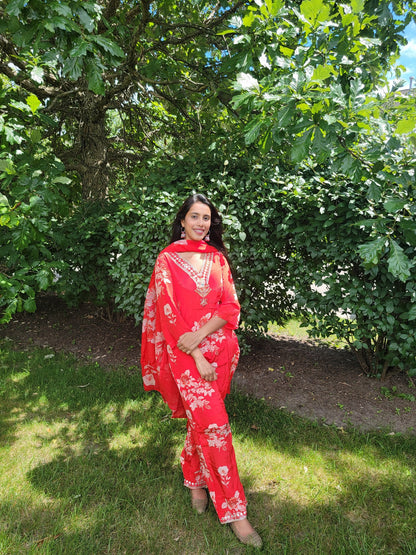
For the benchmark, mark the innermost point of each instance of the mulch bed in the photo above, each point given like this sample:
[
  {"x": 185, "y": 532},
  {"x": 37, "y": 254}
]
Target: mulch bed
[{"x": 303, "y": 377}]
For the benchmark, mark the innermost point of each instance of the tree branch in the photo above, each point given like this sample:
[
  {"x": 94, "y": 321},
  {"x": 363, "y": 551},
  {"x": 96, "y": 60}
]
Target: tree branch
[
  {"x": 109, "y": 12},
  {"x": 12, "y": 57},
  {"x": 175, "y": 103},
  {"x": 23, "y": 81}
]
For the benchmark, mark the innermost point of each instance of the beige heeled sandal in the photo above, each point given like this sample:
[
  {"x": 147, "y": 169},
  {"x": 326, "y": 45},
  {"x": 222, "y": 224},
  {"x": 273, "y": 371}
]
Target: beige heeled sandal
[{"x": 253, "y": 539}]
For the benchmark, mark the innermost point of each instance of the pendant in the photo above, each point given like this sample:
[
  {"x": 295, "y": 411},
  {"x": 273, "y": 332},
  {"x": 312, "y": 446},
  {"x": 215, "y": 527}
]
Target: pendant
[{"x": 202, "y": 288}]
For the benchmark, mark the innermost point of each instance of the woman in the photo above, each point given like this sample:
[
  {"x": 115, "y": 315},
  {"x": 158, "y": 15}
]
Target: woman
[{"x": 190, "y": 353}]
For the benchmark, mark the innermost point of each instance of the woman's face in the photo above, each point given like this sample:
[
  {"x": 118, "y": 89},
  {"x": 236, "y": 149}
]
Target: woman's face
[{"x": 197, "y": 221}]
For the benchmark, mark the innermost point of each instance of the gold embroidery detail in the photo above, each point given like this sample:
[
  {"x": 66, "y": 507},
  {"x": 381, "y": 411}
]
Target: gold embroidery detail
[{"x": 200, "y": 278}]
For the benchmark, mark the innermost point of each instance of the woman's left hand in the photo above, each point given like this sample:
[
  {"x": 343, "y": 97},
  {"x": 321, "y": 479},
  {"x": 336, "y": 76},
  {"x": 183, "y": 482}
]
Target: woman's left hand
[{"x": 188, "y": 342}]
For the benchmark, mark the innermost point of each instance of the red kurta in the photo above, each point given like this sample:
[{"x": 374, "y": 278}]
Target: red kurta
[
  {"x": 180, "y": 300},
  {"x": 175, "y": 305}
]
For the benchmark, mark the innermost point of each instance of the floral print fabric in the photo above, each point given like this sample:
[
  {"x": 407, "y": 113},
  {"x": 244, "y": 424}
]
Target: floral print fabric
[{"x": 179, "y": 300}]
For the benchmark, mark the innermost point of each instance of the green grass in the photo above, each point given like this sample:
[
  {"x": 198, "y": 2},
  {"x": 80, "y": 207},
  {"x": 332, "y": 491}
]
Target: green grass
[
  {"x": 89, "y": 464},
  {"x": 294, "y": 329}
]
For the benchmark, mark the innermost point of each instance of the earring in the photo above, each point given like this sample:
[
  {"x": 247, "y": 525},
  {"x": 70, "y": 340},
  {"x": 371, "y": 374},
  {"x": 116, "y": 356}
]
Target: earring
[
  {"x": 207, "y": 237},
  {"x": 182, "y": 233}
]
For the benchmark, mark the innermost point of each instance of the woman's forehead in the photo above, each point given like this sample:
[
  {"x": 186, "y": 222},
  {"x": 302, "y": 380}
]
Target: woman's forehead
[{"x": 199, "y": 208}]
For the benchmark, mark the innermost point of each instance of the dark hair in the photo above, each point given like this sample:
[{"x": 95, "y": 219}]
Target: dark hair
[{"x": 215, "y": 231}]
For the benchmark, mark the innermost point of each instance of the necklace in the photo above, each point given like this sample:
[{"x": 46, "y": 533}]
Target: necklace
[{"x": 200, "y": 278}]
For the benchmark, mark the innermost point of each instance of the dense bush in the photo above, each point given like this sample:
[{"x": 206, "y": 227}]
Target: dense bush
[
  {"x": 110, "y": 249},
  {"x": 345, "y": 282},
  {"x": 339, "y": 255},
  {"x": 34, "y": 194},
  {"x": 83, "y": 247}
]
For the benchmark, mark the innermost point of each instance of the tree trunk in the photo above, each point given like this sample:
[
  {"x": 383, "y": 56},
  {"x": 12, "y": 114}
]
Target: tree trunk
[{"x": 93, "y": 150}]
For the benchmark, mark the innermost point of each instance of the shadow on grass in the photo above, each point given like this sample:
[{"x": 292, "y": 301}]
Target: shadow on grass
[{"x": 112, "y": 481}]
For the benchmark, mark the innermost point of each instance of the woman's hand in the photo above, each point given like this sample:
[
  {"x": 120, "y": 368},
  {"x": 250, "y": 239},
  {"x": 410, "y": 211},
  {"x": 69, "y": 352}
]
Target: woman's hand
[
  {"x": 189, "y": 341},
  {"x": 206, "y": 370},
  {"x": 192, "y": 339}
]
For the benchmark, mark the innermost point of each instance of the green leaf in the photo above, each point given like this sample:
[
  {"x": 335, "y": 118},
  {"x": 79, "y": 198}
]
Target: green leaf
[
  {"x": 29, "y": 305},
  {"x": 315, "y": 11},
  {"x": 80, "y": 49},
  {"x": 44, "y": 279},
  {"x": 409, "y": 231},
  {"x": 15, "y": 7},
  {"x": 109, "y": 45},
  {"x": 35, "y": 135},
  {"x": 6, "y": 166},
  {"x": 58, "y": 22},
  {"x": 95, "y": 80},
  {"x": 347, "y": 163},
  {"x": 11, "y": 135},
  {"x": 371, "y": 252},
  {"x": 374, "y": 191},
  {"x": 86, "y": 20},
  {"x": 300, "y": 149},
  {"x": 62, "y": 179},
  {"x": 398, "y": 263},
  {"x": 249, "y": 19},
  {"x": 411, "y": 315},
  {"x": 357, "y": 6},
  {"x": 5, "y": 220},
  {"x": 321, "y": 73},
  {"x": 406, "y": 126},
  {"x": 73, "y": 67},
  {"x": 320, "y": 145},
  {"x": 394, "y": 204},
  {"x": 33, "y": 102},
  {"x": 288, "y": 52},
  {"x": 252, "y": 130},
  {"x": 267, "y": 142},
  {"x": 4, "y": 201},
  {"x": 274, "y": 7},
  {"x": 285, "y": 114},
  {"x": 62, "y": 9}
]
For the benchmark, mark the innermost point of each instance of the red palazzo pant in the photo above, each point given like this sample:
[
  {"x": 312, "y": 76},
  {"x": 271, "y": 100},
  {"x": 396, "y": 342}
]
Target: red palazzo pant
[{"x": 208, "y": 458}]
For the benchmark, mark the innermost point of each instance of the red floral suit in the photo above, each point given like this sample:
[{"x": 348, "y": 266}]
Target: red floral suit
[{"x": 180, "y": 300}]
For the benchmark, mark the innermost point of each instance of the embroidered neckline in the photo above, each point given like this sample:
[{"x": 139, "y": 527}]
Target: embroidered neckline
[{"x": 200, "y": 278}]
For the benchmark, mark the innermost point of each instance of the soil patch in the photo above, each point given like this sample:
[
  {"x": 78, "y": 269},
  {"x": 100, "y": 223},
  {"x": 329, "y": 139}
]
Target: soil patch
[{"x": 300, "y": 376}]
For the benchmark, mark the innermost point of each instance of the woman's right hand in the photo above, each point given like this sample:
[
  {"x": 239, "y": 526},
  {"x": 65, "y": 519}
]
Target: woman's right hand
[{"x": 205, "y": 369}]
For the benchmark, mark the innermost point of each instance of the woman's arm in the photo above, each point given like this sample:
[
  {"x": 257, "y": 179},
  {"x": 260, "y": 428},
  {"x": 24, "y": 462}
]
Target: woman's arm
[{"x": 189, "y": 341}]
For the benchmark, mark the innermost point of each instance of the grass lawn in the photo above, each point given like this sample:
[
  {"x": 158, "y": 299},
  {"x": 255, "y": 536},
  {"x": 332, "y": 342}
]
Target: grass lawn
[{"x": 89, "y": 464}]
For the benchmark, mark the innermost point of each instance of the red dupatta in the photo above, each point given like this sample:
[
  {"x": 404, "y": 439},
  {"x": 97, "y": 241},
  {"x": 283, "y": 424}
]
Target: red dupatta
[{"x": 154, "y": 348}]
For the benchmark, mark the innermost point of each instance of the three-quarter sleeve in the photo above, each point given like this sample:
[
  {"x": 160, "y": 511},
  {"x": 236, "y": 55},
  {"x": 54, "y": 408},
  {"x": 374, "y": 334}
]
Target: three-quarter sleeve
[
  {"x": 229, "y": 308},
  {"x": 169, "y": 316}
]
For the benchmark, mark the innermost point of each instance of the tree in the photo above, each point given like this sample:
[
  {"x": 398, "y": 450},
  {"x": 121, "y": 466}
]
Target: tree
[
  {"x": 348, "y": 188},
  {"x": 152, "y": 65}
]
